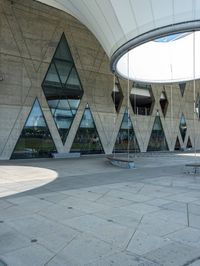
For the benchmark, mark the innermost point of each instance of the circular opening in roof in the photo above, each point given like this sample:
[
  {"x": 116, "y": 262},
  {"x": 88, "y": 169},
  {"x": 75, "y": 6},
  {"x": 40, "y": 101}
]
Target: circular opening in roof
[{"x": 172, "y": 58}]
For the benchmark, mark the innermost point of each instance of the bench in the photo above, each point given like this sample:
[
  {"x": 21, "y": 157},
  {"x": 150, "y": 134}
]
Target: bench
[
  {"x": 122, "y": 162},
  {"x": 64, "y": 155},
  {"x": 195, "y": 168}
]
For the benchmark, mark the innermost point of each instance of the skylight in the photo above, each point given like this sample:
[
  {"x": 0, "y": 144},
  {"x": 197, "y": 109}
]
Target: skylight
[{"x": 163, "y": 60}]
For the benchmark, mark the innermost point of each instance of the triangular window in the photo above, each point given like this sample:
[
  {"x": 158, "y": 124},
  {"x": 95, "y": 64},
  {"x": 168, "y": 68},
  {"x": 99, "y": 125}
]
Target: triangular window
[
  {"x": 157, "y": 140},
  {"x": 62, "y": 88},
  {"x": 73, "y": 81},
  {"x": 163, "y": 102},
  {"x": 117, "y": 95},
  {"x": 177, "y": 145},
  {"x": 183, "y": 127},
  {"x": 142, "y": 99},
  {"x": 63, "y": 69},
  {"x": 35, "y": 140},
  {"x": 182, "y": 88},
  {"x": 87, "y": 140},
  {"x": 189, "y": 143},
  {"x": 63, "y": 51},
  {"x": 197, "y": 106},
  {"x": 126, "y": 139},
  {"x": 52, "y": 78}
]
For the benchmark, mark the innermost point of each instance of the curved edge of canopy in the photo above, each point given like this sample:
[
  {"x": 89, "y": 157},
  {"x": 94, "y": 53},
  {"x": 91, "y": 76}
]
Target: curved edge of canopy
[{"x": 149, "y": 36}]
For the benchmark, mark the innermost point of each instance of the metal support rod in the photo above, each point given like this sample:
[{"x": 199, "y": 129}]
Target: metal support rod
[
  {"x": 114, "y": 110},
  {"x": 128, "y": 102},
  {"x": 194, "y": 96}
]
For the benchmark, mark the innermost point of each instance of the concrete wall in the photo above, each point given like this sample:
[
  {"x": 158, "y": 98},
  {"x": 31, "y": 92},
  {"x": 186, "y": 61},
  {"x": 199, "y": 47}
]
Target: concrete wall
[{"x": 29, "y": 35}]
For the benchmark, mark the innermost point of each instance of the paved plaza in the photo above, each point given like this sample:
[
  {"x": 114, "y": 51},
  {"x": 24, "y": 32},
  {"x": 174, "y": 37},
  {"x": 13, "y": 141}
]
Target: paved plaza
[{"x": 85, "y": 211}]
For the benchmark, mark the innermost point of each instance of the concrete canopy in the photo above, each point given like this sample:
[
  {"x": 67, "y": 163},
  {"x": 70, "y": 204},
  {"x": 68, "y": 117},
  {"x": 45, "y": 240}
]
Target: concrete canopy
[{"x": 120, "y": 25}]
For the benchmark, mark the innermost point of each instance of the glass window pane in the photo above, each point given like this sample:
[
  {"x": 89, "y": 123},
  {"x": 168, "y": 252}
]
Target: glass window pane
[
  {"x": 126, "y": 122},
  {"x": 63, "y": 100},
  {"x": 117, "y": 95},
  {"x": 63, "y": 69},
  {"x": 63, "y": 51},
  {"x": 87, "y": 120},
  {"x": 182, "y": 87},
  {"x": 142, "y": 99},
  {"x": 35, "y": 140},
  {"x": 157, "y": 140},
  {"x": 189, "y": 143},
  {"x": 52, "y": 78},
  {"x": 74, "y": 103},
  {"x": 63, "y": 116},
  {"x": 177, "y": 145},
  {"x": 126, "y": 138},
  {"x": 73, "y": 80},
  {"x": 87, "y": 140},
  {"x": 183, "y": 127}
]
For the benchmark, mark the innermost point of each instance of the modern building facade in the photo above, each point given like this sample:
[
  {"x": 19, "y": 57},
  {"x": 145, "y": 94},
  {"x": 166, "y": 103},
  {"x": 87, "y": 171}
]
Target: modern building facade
[{"x": 58, "y": 93}]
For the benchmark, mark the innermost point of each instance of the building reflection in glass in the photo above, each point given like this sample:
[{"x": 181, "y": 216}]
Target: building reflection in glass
[
  {"x": 126, "y": 138},
  {"x": 62, "y": 88},
  {"x": 35, "y": 140},
  {"x": 87, "y": 139},
  {"x": 183, "y": 127},
  {"x": 157, "y": 140}
]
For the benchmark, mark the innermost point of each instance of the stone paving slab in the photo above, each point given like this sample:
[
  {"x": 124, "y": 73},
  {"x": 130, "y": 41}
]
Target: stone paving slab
[
  {"x": 105, "y": 230},
  {"x": 34, "y": 255},
  {"x": 142, "y": 243},
  {"x": 189, "y": 236},
  {"x": 173, "y": 254},
  {"x": 60, "y": 214},
  {"x": 158, "y": 226},
  {"x": 194, "y": 221},
  {"x": 159, "y": 202},
  {"x": 141, "y": 208},
  {"x": 11, "y": 240},
  {"x": 120, "y": 216},
  {"x": 82, "y": 250},
  {"x": 83, "y": 205},
  {"x": 170, "y": 216},
  {"x": 58, "y": 240},
  {"x": 90, "y": 213},
  {"x": 176, "y": 206},
  {"x": 125, "y": 259},
  {"x": 194, "y": 208},
  {"x": 36, "y": 226}
]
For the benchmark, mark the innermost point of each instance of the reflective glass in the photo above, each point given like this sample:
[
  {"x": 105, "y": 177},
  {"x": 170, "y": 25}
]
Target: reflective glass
[
  {"x": 126, "y": 138},
  {"x": 62, "y": 88},
  {"x": 189, "y": 143},
  {"x": 197, "y": 106},
  {"x": 52, "y": 78},
  {"x": 63, "y": 117},
  {"x": 63, "y": 51},
  {"x": 163, "y": 103},
  {"x": 157, "y": 140},
  {"x": 63, "y": 69},
  {"x": 35, "y": 140},
  {"x": 73, "y": 80},
  {"x": 182, "y": 88},
  {"x": 74, "y": 103},
  {"x": 142, "y": 99},
  {"x": 87, "y": 139},
  {"x": 183, "y": 127},
  {"x": 177, "y": 145},
  {"x": 117, "y": 99},
  {"x": 117, "y": 96}
]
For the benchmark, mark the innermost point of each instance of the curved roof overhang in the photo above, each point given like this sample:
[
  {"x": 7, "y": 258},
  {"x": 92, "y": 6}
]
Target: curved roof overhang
[{"x": 120, "y": 25}]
